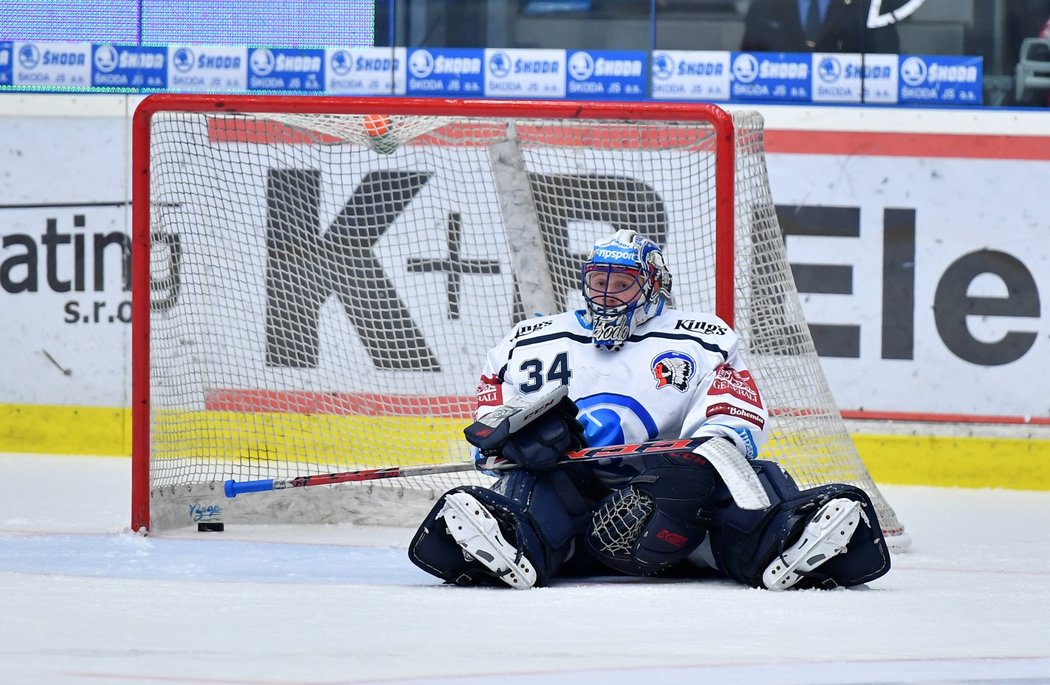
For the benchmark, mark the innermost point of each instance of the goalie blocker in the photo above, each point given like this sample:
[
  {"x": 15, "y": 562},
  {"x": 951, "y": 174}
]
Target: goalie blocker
[{"x": 523, "y": 532}]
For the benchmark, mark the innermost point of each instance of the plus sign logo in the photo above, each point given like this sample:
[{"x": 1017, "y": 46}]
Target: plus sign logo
[{"x": 454, "y": 266}]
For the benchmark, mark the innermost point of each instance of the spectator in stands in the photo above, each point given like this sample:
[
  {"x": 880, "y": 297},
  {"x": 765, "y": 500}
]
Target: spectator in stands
[
  {"x": 1027, "y": 19},
  {"x": 1023, "y": 19},
  {"x": 1045, "y": 33},
  {"x": 815, "y": 26}
]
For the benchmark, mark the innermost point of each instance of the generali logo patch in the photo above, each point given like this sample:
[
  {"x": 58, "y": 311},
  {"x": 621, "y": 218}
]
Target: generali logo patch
[
  {"x": 490, "y": 392},
  {"x": 739, "y": 384}
]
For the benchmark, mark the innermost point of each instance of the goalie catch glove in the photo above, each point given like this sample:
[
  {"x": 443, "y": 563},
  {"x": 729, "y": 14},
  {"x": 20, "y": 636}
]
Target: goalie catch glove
[{"x": 536, "y": 446}]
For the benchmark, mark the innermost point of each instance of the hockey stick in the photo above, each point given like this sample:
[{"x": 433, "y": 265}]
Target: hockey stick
[
  {"x": 506, "y": 419},
  {"x": 234, "y": 488},
  {"x": 587, "y": 454},
  {"x": 738, "y": 479}
]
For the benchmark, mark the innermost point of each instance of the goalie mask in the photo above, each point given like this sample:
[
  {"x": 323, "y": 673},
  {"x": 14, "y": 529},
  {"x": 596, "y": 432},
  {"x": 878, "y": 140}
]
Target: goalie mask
[{"x": 625, "y": 283}]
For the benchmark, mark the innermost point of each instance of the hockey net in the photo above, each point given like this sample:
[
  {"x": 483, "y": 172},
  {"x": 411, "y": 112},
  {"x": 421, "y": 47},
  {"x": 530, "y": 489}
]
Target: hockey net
[{"x": 316, "y": 287}]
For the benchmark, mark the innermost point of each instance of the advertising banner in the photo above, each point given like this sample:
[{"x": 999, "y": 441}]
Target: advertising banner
[
  {"x": 51, "y": 66},
  {"x": 212, "y": 68},
  {"x": 784, "y": 76},
  {"x": 924, "y": 273},
  {"x": 606, "y": 75},
  {"x": 365, "y": 71},
  {"x": 926, "y": 79},
  {"x": 843, "y": 77},
  {"x": 446, "y": 71},
  {"x": 925, "y": 281},
  {"x": 65, "y": 248},
  {"x": 524, "y": 73},
  {"x": 691, "y": 75},
  {"x": 129, "y": 67},
  {"x": 286, "y": 70}
]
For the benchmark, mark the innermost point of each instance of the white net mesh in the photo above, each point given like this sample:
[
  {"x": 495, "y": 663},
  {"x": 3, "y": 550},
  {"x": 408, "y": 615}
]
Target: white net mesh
[{"x": 325, "y": 287}]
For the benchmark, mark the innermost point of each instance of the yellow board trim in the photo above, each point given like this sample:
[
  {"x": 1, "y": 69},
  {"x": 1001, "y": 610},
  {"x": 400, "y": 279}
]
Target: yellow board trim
[
  {"x": 54, "y": 429},
  {"x": 259, "y": 436},
  {"x": 345, "y": 441},
  {"x": 970, "y": 462},
  {"x": 965, "y": 462}
]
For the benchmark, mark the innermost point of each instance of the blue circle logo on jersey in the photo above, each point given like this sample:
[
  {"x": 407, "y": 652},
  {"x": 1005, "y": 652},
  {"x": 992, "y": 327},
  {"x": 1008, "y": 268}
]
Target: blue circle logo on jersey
[
  {"x": 673, "y": 370},
  {"x": 613, "y": 419}
]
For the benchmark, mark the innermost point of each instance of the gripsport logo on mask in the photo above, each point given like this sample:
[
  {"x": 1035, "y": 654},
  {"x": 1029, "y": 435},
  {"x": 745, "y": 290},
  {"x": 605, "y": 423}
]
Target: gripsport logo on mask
[{"x": 614, "y": 255}]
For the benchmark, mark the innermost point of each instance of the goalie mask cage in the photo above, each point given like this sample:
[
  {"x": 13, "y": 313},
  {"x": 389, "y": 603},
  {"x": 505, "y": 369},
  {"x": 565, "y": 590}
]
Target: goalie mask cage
[{"x": 315, "y": 288}]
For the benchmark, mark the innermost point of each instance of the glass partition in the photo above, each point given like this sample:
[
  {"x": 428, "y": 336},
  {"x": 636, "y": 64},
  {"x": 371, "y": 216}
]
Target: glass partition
[{"x": 993, "y": 30}]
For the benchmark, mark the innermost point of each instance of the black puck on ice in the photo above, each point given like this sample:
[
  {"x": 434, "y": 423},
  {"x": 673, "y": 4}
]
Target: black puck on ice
[{"x": 210, "y": 527}]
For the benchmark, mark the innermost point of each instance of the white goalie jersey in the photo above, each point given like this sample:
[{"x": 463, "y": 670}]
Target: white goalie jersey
[{"x": 680, "y": 375}]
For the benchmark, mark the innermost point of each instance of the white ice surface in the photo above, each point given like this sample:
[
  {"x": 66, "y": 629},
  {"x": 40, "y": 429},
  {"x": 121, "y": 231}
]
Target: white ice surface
[{"x": 84, "y": 601}]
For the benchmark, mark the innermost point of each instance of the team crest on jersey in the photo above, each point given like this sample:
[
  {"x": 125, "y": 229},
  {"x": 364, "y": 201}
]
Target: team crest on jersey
[
  {"x": 739, "y": 384},
  {"x": 673, "y": 369}
]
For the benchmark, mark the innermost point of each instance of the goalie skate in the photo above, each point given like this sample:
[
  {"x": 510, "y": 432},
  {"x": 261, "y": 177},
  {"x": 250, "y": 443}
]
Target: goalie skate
[
  {"x": 477, "y": 532},
  {"x": 825, "y": 536}
]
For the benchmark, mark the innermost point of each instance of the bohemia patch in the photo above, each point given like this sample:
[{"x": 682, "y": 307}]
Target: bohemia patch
[
  {"x": 727, "y": 409},
  {"x": 673, "y": 369},
  {"x": 739, "y": 384},
  {"x": 490, "y": 392}
]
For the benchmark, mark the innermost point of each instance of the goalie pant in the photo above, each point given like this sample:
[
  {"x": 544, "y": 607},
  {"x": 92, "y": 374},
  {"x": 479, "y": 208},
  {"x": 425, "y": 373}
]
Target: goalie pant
[{"x": 562, "y": 532}]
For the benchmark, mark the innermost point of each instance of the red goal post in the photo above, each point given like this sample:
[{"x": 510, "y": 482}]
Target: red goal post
[{"x": 257, "y": 355}]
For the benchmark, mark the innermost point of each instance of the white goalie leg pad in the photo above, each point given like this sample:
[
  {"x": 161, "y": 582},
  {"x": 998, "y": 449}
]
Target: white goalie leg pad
[
  {"x": 736, "y": 473},
  {"x": 475, "y": 530},
  {"x": 825, "y": 536}
]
